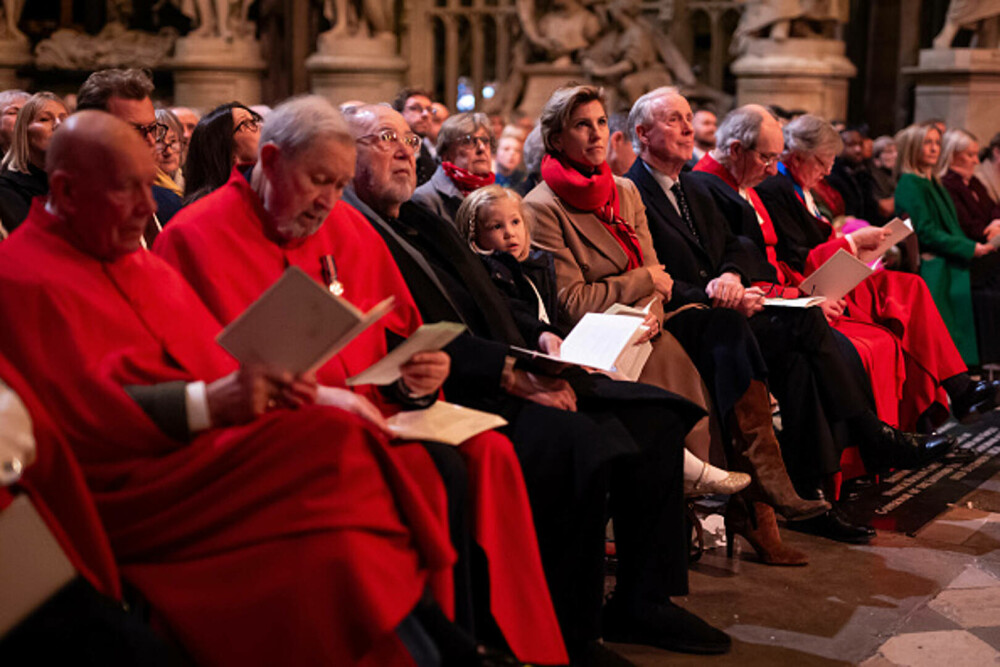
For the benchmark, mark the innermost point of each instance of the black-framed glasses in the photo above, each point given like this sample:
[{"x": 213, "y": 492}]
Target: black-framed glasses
[
  {"x": 248, "y": 125},
  {"x": 168, "y": 146},
  {"x": 384, "y": 140},
  {"x": 767, "y": 158},
  {"x": 155, "y": 130},
  {"x": 474, "y": 140}
]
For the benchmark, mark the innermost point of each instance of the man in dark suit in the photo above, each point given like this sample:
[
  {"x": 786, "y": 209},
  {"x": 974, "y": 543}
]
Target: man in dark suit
[
  {"x": 417, "y": 108},
  {"x": 809, "y": 375},
  {"x": 566, "y": 433}
]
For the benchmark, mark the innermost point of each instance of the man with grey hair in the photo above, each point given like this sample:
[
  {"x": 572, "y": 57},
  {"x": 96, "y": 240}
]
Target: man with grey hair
[
  {"x": 11, "y": 102},
  {"x": 286, "y": 211},
  {"x": 567, "y": 430},
  {"x": 750, "y": 143}
]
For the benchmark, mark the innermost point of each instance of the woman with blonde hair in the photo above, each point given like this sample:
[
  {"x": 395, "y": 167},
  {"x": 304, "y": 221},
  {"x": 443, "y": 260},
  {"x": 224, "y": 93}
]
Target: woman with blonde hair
[
  {"x": 496, "y": 224},
  {"x": 23, "y": 174},
  {"x": 947, "y": 254}
]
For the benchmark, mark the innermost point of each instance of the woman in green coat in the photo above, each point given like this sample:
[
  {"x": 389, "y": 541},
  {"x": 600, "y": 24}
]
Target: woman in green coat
[{"x": 946, "y": 252}]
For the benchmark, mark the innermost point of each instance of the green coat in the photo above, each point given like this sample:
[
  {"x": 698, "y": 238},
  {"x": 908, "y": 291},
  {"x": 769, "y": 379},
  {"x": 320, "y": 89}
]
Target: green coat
[{"x": 946, "y": 254}]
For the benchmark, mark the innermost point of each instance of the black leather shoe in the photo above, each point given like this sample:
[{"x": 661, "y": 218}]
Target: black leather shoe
[
  {"x": 978, "y": 399},
  {"x": 835, "y": 526},
  {"x": 664, "y": 625},
  {"x": 896, "y": 449}
]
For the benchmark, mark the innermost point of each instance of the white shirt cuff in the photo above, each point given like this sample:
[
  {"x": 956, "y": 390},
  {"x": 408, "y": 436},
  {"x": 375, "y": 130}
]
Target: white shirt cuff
[{"x": 196, "y": 402}]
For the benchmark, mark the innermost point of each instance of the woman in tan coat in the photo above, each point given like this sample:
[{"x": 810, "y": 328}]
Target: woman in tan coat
[{"x": 595, "y": 225}]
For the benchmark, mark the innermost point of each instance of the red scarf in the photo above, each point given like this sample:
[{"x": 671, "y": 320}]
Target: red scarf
[
  {"x": 595, "y": 194},
  {"x": 465, "y": 180}
]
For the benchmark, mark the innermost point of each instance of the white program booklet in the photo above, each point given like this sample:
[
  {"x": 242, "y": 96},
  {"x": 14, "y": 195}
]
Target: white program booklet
[
  {"x": 428, "y": 337},
  {"x": 801, "y": 302},
  {"x": 597, "y": 341},
  {"x": 296, "y": 325},
  {"x": 838, "y": 276},
  {"x": 443, "y": 422},
  {"x": 898, "y": 230}
]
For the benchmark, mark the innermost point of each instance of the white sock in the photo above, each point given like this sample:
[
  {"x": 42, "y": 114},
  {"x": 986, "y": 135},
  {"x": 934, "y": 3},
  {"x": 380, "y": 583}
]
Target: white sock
[{"x": 693, "y": 467}]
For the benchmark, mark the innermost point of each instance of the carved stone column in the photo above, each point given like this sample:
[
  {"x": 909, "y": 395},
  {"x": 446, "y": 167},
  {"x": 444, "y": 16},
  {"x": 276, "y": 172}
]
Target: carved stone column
[
  {"x": 14, "y": 54},
  {"x": 795, "y": 73},
  {"x": 962, "y": 86},
  {"x": 356, "y": 68},
  {"x": 209, "y": 71}
]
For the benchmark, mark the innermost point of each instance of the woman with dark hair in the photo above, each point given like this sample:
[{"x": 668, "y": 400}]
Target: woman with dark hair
[
  {"x": 224, "y": 138},
  {"x": 23, "y": 176}
]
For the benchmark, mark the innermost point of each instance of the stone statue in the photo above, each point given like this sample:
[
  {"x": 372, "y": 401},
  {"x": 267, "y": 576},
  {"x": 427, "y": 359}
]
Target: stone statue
[
  {"x": 557, "y": 35},
  {"x": 8, "y": 26},
  {"x": 781, "y": 19},
  {"x": 633, "y": 58},
  {"x": 968, "y": 13},
  {"x": 216, "y": 18},
  {"x": 114, "y": 46},
  {"x": 365, "y": 18}
]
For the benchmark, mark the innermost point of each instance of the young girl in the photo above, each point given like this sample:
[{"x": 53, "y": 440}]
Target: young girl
[{"x": 493, "y": 219}]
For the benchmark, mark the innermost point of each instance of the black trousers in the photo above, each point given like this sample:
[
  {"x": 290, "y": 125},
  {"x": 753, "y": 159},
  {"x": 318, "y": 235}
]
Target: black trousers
[
  {"x": 814, "y": 375},
  {"x": 723, "y": 349},
  {"x": 626, "y": 438},
  {"x": 79, "y": 626}
]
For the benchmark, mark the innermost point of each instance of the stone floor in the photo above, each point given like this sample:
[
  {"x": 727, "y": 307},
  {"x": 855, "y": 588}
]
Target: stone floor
[{"x": 932, "y": 599}]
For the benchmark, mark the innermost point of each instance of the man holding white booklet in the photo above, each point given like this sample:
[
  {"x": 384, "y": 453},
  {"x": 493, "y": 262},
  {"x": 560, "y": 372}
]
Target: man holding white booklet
[
  {"x": 712, "y": 266},
  {"x": 235, "y": 243}
]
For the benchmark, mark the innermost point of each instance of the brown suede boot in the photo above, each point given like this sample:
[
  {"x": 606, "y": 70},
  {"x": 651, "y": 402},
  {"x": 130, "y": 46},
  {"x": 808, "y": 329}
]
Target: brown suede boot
[
  {"x": 764, "y": 537},
  {"x": 758, "y": 453}
]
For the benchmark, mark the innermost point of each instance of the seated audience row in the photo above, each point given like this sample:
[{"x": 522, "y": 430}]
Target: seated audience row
[{"x": 234, "y": 500}]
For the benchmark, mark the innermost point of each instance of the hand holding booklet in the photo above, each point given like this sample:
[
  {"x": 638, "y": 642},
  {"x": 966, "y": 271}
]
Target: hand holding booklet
[
  {"x": 427, "y": 338},
  {"x": 604, "y": 341},
  {"x": 296, "y": 325},
  {"x": 838, "y": 276},
  {"x": 443, "y": 422},
  {"x": 898, "y": 230}
]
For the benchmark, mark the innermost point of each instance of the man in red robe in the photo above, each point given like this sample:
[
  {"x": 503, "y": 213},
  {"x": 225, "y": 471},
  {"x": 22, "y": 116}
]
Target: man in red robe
[
  {"x": 268, "y": 535},
  {"x": 740, "y": 161},
  {"x": 233, "y": 244}
]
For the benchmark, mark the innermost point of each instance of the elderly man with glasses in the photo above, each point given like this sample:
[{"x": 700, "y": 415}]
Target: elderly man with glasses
[{"x": 125, "y": 93}]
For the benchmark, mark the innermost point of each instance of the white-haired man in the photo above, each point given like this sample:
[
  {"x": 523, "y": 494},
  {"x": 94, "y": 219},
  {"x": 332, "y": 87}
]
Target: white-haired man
[
  {"x": 623, "y": 422},
  {"x": 749, "y": 145},
  {"x": 286, "y": 211},
  {"x": 206, "y": 476}
]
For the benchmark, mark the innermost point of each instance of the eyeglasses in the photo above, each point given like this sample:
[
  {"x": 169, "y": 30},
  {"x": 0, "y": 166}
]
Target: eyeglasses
[
  {"x": 168, "y": 146},
  {"x": 156, "y": 130},
  {"x": 248, "y": 125},
  {"x": 767, "y": 158},
  {"x": 416, "y": 107},
  {"x": 473, "y": 140},
  {"x": 384, "y": 139}
]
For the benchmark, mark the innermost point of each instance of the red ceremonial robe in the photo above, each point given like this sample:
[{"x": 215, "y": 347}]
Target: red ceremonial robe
[
  {"x": 282, "y": 541},
  {"x": 901, "y": 303},
  {"x": 879, "y": 350},
  {"x": 219, "y": 245},
  {"x": 56, "y": 487}
]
